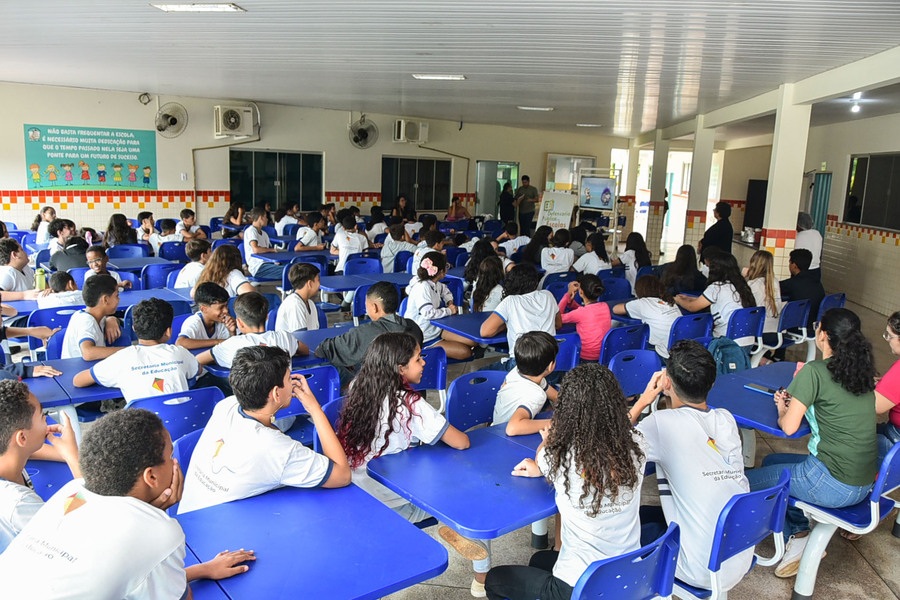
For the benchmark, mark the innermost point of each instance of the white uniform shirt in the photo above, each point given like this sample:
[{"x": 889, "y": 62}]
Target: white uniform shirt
[
  {"x": 18, "y": 505},
  {"x": 180, "y": 228},
  {"x": 73, "y": 298},
  {"x": 615, "y": 530},
  {"x": 419, "y": 254},
  {"x": 629, "y": 261},
  {"x": 810, "y": 240},
  {"x": 238, "y": 457},
  {"x": 518, "y": 392},
  {"x": 557, "y": 260},
  {"x": 495, "y": 296},
  {"x": 660, "y": 316},
  {"x": 376, "y": 230},
  {"x": 309, "y": 236},
  {"x": 297, "y": 314},
  {"x": 224, "y": 352},
  {"x": 697, "y": 489},
  {"x": 591, "y": 264},
  {"x": 424, "y": 304},
  {"x": 112, "y": 273},
  {"x": 285, "y": 221},
  {"x": 189, "y": 274},
  {"x": 43, "y": 233},
  {"x": 412, "y": 228},
  {"x": 157, "y": 239},
  {"x": 83, "y": 545},
  {"x": 534, "y": 311},
  {"x": 144, "y": 371},
  {"x": 514, "y": 244},
  {"x": 758, "y": 287},
  {"x": 252, "y": 234},
  {"x": 82, "y": 326},
  {"x": 14, "y": 280},
  {"x": 724, "y": 300},
  {"x": 348, "y": 243},
  {"x": 423, "y": 425},
  {"x": 470, "y": 245},
  {"x": 193, "y": 328},
  {"x": 234, "y": 281},
  {"x": 391, "y": 249}
]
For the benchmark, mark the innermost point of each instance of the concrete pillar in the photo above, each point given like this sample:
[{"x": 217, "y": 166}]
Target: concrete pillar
[
  {"x": 785, "y": 188},
  {"x": 631, "y": 177},
  {"x": 698, "y": 196},
  {"x": 655, "y": 217}
]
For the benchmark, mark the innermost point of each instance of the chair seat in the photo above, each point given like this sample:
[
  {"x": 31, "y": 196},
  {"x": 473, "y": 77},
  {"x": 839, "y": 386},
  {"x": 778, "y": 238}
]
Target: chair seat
[
  {"x": 858, "y": 515},
  {"x": 302, "y": 431},
  {"x": 328, "y": 307},
  {"x": 252, "y": 279},
  {"x": 88, "y": 415}
]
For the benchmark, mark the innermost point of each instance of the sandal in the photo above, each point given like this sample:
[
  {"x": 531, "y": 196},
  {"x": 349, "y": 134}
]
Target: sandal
[{"x": 850, "y": 536}]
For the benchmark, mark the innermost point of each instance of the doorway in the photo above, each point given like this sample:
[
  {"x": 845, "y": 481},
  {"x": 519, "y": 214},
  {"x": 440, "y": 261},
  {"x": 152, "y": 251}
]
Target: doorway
[{"x": 491, "y": 176}]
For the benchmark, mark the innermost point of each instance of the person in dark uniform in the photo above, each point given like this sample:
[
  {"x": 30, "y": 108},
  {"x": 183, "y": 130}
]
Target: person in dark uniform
[
  {"x": 721, "y": 234},
  {"x": 507, "y": 206}
]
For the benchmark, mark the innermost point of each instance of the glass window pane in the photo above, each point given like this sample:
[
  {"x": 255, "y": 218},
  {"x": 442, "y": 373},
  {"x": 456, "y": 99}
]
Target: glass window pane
[
  {"x": 425, "y": 188},
  {"x": 241, "y": 177},
  {"x": 312, "y": 185},
  {"x": 291, "y": 190},
  {"x": 442, "y": 185},
  {"x": 265, "y": 174},
  {"x": 878, "y": 181}
]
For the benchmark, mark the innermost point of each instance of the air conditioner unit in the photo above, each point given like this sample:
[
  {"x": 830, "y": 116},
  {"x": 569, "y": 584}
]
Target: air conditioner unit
[
  {"x": 410, "y": 131},
  {"x": 233, "y": 120}
]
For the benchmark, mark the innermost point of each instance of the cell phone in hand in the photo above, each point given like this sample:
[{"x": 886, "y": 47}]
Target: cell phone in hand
[{"x": 760, "y": 388}]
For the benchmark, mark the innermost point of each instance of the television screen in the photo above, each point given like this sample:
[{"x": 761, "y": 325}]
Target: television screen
[{"x": 597, "y": 193}]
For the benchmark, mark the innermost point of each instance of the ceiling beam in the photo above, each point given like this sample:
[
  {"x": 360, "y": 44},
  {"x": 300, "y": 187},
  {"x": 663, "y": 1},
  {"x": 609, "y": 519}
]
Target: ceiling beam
[{"x": 874, "y": 71}]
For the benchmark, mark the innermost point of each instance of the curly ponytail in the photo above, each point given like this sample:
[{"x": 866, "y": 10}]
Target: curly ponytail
[{"x": 852, "y": 363}]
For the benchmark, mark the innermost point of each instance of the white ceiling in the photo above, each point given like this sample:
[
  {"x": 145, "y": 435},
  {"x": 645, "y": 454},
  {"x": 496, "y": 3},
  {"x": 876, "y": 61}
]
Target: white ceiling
[{"x": 628, "y": 64}]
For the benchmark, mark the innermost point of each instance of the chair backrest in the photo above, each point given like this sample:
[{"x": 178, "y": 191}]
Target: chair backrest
[
  {"x": 379, "y": 239},
  {"x": 566, "y": 276},
  {"x": 128, "y": 251},
  {"x": 569, "y": 351},
  {"x": 58, "y": 316},
  {"x": 31, "y": 237},
  {"x": 174, "y": 251},
  {"x": 558, "y": 289},
  {"x": 401, "y": 260},
  {"x": 615, "y": 288},
  {"x": 229, "y": 241},
  {"x": 78, "y": 274},
  {"x": 367, "y": 253},
  {"x": 323, "y": 318},
  {"x": 409, "y": 265},
  {"x": 154, "y": 276},
  {"x": 136, "y": 283},
  {"x": 183, "y": 448},
  {"x": 356, "y": 266},
  {"x": 471, "y": 398},
  {"x": 55, "y": 344},
  {"x": 888, "y": 475},
  {"x": 323, "y": 381},
  {"x": 320, "y": 261},
  {"x": 619, "y": 339},
  {"x": 270, "y": 320},
  {"x": 634, "y": 369},
  {"x": 645, "y": 573},
  {"x": 829, "y": 302},
  {"x": 177, "y": 322},
  {"x": 691, "y": 327},
  {"x": 10, "y": 226},
  {"x": 401, "y": 310},
  {"x": 182, "y": 412},
  {"x": 332, "y": 412},
  {"x": 270, "y": 230},
  {"x": 461, "y": 259},
  {"x": 452, "y": 252},
  {"x": 215, "y": 224},
  {"x": 434, "y": 377},
  {"x": 291, "y": 229},
  {"x": 648, "y": 270},
  {"x": 172, "y": 277},
  {"x": 793, "y": 314},
  {"x": 495, "y": 226},
  {"x": 43, "y": 256},
  {"x": 745, "y": 323},
  {"x": 616, "y": 272},
  {"x": 457, "y": 289}
]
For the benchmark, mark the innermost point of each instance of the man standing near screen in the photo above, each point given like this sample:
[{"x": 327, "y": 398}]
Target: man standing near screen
[{"x": 526, "y": 199}]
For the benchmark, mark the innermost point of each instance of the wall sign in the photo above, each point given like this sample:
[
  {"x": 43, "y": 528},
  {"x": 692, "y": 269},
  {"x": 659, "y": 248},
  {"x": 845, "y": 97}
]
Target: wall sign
[
  {"x": 89, "y": 158},
  {"x": 556, "y": 209}
]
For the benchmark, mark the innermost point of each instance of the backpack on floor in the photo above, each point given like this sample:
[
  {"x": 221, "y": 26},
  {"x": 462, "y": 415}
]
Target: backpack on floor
[{"x": 728, "y": 355}]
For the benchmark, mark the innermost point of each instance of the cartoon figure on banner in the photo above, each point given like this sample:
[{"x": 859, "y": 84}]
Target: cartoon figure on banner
[
  {"x": 605, "y": 197},
  {"x": 51, "y": 173},
  {"x": 85, "y": 171},
  {"x": 101, "y": 173},
  {"x": 117, "y": 174},
  {"x": 35, "y": 174},
  {"x": 34, "y": 134},
  {"x": 147, "y": 176},
  {"x": 587, "y": 195},
  {"x": 132, "y": 174},
  {"x": 67, "y": 167}
]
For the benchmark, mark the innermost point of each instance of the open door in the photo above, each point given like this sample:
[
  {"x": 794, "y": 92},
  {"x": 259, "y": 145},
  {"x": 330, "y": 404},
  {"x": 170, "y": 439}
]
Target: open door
[{"x": 490, "y": 179}]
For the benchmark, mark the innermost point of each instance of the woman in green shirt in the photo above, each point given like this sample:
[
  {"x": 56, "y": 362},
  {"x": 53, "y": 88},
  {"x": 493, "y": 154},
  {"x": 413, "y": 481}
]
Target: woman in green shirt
[{"x": 836, "y": 396}]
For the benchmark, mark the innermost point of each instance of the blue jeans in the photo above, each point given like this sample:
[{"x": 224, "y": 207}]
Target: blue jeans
[
  {"x": 810, "y": 481},
  {"x": 888, "y": 435},
  {"x": 500, "y": 365},
  {"x": 269, "y": 270}
]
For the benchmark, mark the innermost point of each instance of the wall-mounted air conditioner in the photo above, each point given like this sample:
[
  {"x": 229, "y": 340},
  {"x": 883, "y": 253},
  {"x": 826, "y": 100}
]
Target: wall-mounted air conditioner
[
  {"x": 410, "y": 131},
  {"x": 233, "y": 120}
]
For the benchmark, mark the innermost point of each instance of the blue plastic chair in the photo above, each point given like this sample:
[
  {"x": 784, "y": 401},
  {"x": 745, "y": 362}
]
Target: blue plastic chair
[
  {"x": 154, "y": 276},
  {"x": 274, "y": 302},
  {"x": 558, "y": 289},
  {"x": 471, "y": 398},
  {"x": 134, "y": 223},
  {"x": 367, "y": 253},
  {"x": 401, "y": 310},
  {"x": 43, "y": 257},
  {"x": 566, "y": 277},
  {"x": 30, "y": 237},
  {"x": 569, "y": 351},
  {"x": 648, "y": 270},
  {"x": 791, "y": 328},
  {"x": 177, "y": 322},
  {"x": 215, "y": 224},
  {"x": 174, "y": 251},
  {"x": 270, "y": 320},
  {"x": 493, "y": 226},
  {"x": 54, "y": 345},
  {"x": 182, "y": 412},
  {"x": 745, "y": 327},
  {"x": 227, "y": 241},
  {"x": 615, "y": 288},
  {"x": 745, "y": 521},
  {"x": 270, "y": 230},
  {"x": 828, "y": 302},
  {"x": 58, "y": 316},
  {"x": 129, "y": 251},
  {"x": 172, "y": 277},
  {"x": 179, "y": 307},
  {"x": 619, "y": 339},
  {"x": 634, "y": 369},
  {"x": 332, "y": 412},
  {"x": 47, "y": 476},
  {"x": 136, "y": 283},
  {"x": 457, "y": 289},
  {"x": 434, "y": 377},
  {"x": 409, "y": 265},
  {"x": 461, "y": 259},
  {"x": 10, "y": 226},
  {"x": 286, "y": 286},
  {"x": 618, "y": 272},
  {"x": 697, "y": 326},
  {"x": 379, "y": 239},
  {"x": 78, "y": 274},
  {"x": 401, "y": 260},
  {"x": 183, "y": 448},
  {"x": 642, "y": 574},
  {"x": 355, "y": 266},
  {"x": 452, "y": 252},
  {"x": 291, "y": 229},
  {"x": 325, "y": 384},
  {"x": 860, "y": 518}
]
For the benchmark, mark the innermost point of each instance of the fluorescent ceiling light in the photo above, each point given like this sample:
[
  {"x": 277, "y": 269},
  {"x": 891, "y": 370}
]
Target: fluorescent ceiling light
[
  {"x": 537, "y": 108},
  {"x": 857, "y": 95},
  {"x": 854, "y": 108},
  {"x": 222, "y": 7},
  {"x": 438, "y": 77},
  {"x": 588, "y": 125}
]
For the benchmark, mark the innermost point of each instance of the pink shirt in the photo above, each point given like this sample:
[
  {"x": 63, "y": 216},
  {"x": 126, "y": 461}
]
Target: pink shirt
[
  {"x": 889, "y": 387},
  {"x": 591, "y": 322}
]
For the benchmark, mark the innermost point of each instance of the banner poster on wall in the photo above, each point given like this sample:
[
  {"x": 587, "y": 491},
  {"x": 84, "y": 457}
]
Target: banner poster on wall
[
  {"x": 63, "y": 157},
  {"x": 556, "y": 209}
]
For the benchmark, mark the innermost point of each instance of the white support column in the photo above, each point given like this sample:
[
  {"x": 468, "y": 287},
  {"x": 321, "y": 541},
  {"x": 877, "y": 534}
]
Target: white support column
[
  {"x": 631, "y": 177},
  {"x": 698, "y": 196},
  {"x": 655, "y": 216}
]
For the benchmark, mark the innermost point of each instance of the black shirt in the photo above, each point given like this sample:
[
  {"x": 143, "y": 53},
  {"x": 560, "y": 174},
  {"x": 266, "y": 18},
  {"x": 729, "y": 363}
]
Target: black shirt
[
  {"x": 507, "y": 210},
  {"x": 804, "y": 286},
  {"x": 719, "y": 235},
  {"x": 70, "y": 258}
]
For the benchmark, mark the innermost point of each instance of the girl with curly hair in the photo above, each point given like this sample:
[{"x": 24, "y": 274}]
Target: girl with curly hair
[
  {"x": 224, "y": 268},
  {"x": 594, "y": 459},
  {"x": 836, "y": 396}
]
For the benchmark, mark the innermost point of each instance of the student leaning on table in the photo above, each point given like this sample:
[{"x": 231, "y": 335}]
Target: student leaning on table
[
  {"x": 92, "y": 328},
  {"x": 836, "y": 396},
  {"x": 90, "y": 540},
  {"x": 211, "y": 324}
]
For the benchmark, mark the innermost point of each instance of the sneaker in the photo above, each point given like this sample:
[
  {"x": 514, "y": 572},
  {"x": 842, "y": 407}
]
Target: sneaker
[
  {"x": 793, "y": 552},
  {"x": 477, "y": 589},
  {"x": 468, "y": 549}
]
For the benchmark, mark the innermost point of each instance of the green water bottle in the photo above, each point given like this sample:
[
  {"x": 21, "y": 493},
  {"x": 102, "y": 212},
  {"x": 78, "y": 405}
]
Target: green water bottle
[{"x": 40, "y": 279}]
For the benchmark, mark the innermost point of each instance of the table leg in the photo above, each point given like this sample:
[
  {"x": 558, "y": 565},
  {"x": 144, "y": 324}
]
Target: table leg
[
  {"x": 748, "y": 440},
  {"x": 539, "y": 537}
]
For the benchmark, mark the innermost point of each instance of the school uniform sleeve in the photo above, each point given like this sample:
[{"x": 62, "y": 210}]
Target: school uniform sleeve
[
  {"x": 7, "y": 280},
  {"x": 420, "y": 296},
  {"x": 649, "y": 427},
  {"x": 288, "y": 317},
  {"x": 19, "y": 507},
  {"x": 504, "y": 309},
  {"x": 287, "y": 342},
  {"x": 445, "y": 293},
  {"x": 533, "y": 399},
  {"x": 235, "y": 280},
  {"x": 427, "y": 424},
  {"x": 107, "y": 371},
  {"x": 192, "y": 368},
  {"x": 633, "y": 309},
  {"x": 305, "y": 468},
  {"x": 193, "y": 328},
  {"x": 712, "y": 292}
]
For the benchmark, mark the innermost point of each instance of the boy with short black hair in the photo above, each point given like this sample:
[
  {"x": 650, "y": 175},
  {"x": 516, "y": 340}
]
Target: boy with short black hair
[
  {"x": 64, "y": 291},
  {"x": 433, "y": 242},
  {"x": 61, "y": 282},
  {"x": 251, "y": 310},
  {"x": 167, "y": 234},
  {"x": 211, "y": 325},
  {"x": 90, "y": 540},
  {"x": 299, "y": 312},
  {"x": 146, "y": 226},
  {"x": 72, "y": 257},
  {"x": 60, "y": 230},
  {"x": 97, "y": 259},
  {"x": 699, "y": 463},
  {"x": 802, "y": 286},
  {"x": 309, "y": 237},
  {"x": 91, "y": 328},
  {"x": 256, "y": 241},
  {"x": 525, "y": 390},
  {"x": 188, "y": 228},
  {"x": 242, "y": 454},
  {"x": 397, "y": 241},
  {"x": 151, "y": 368},
  {"x": 510, "y": 240},
  {"x": 16, "y": 277},
  {"x": 199, "y": 251},
  {"x": 287, "y": 218}
]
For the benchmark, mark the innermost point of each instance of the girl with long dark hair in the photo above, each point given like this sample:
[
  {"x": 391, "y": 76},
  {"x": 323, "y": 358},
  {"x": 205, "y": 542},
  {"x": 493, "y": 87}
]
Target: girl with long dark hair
[
  {"x": 682, "y": 274},
  {"x": 726, "y": 291},
  {"x": 482, "y": 250},
  {"x": 595, "y": 259},
  {"x": 655, "y": 307},
  {"x": 540, "y": 240},
  {"x": 635, "y": 256},
  {"x": 234, "y": 216},
  {"x": 119, "y": 231},
  {"x": 224, "y": 268},
  {"x": 487, "y": 292}
]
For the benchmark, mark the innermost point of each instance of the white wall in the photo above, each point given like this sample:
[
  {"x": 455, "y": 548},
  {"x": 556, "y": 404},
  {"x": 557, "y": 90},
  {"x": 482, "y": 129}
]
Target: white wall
[{"x": 740, "y": 166}]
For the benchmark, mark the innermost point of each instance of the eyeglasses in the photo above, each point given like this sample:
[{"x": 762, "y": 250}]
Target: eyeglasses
[
  {"x": 95, "y": 261},
  {"x": 888, "y": 337}
]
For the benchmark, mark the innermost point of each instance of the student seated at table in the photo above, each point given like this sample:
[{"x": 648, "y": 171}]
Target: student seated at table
[
  {"x": 242, "y": 454},
  {"x": 211, "y": 324},
  {"x": 63, "y": 292},
  {"x": 119, "y": 231},
  {"x": 487, "y": 289},
  {"x": 429, "y": 223},
  {"x": 72, "y": 257},
  {"x": 525, "y": 390},
  {"x": 760, "y": 276},
  {"x": 457, "y": 211},
  {"x": 108, "y": 535},
  {"x": 346, "y": 351},
  {"x": 432, "y": 241},
  {"x": 187, "y": 228},
  {"x": 235, "y": 219},
  {"x": 19, "y": 370},
  {"x": 510, "y": 240},
  {"x": 60, "y": 230},
  {"x": 23, "y": 431},
  {"x": 298, "y": 312},
  {"x": 726, "y": 291},
  {"x": 199, "y": 251},
  {"x": 531, "y": 252},
  {"x": 92, "y": 328},
  {"x": 340, "y": 216},
  {"x": 309, "y": 237},
  {"x": 558, "y": 258},
  {"x": 524, "y": 308},
  {"x": 635, "y": 256},
  {"x": 682, "y": 274},
  {"x": 97, "y": 259},
  {"x": 167, "y": 234},
  {"x": 146, "y": 226},
  {"x": 656, "y": 308},
  {"x": 464, "y": 242},
  {"x": 347, "y": 242},
  {"x": 376, "y": 225},
  {"x": 595, "y": 258},
  {"x": 224, "y": 268},
  {"x": 578, "y": 243},
  {"x": 284, "y": 217},
  {"x": 591, "y": 318},
  {"x": 801, "y": 285},
  {"x": 16, "y": 277},
  {"x": 699, "y": 463},
  {"x": 426, "y": 296},
  {"x": 887, "y": 391},
  {"x": 396, "y": 241},
  {"x": 41, "y": 224},
  {"x": 250, "y": 311},
  {"x": 481, "y": 251},
  {"x": 151, "y": 368},
  {"x": 597, "y": 479}
]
